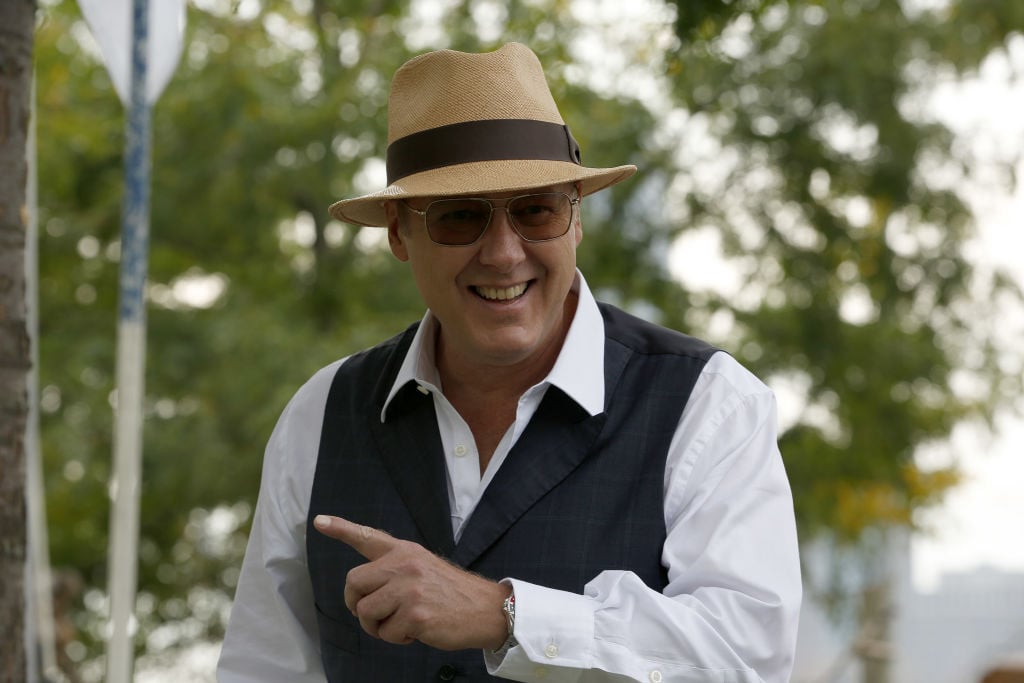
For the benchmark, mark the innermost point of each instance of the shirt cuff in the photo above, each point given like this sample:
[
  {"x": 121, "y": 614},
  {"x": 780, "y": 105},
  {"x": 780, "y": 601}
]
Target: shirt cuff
[{"x": 554, "y": 631}]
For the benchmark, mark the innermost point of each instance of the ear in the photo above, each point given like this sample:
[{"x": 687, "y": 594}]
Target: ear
[{"x": 396, "y": 240}]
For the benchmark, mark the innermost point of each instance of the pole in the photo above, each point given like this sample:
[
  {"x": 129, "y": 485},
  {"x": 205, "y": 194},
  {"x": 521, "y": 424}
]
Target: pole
[
  {"x": 42, "y": 655},
  {"x": 131, "y": 356}
]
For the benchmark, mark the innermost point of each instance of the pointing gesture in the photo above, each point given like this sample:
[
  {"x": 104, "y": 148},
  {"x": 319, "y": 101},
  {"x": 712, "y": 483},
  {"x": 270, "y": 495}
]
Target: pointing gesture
[
  {"x": 367, "y": 541},
  {"x": 406, "y": 593}
]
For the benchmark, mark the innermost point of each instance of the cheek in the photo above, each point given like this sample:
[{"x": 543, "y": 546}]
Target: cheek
[
  {"x": 432, "y": 271},
  {"x": 567, "y": 259},
  {"x": 424, "y": 275}
]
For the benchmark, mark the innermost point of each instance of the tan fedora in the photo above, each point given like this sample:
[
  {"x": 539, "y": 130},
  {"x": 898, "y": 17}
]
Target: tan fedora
[{"x": 461, "y": 123}]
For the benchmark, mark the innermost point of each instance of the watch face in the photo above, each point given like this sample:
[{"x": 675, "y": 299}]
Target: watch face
[{"x": 509, "y": 608}]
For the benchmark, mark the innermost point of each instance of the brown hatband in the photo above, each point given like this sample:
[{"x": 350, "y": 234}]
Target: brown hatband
[{"x": 489, "y": 140}]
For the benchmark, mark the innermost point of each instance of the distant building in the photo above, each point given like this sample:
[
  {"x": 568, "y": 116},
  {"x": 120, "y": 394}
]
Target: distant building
[
  {"x": 972, "y": 623},
  {"x": 969, "y": 624}
]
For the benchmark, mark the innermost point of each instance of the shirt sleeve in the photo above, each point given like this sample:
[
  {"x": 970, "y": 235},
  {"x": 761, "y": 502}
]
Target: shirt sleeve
[
  {"x": 729, "y": 612},
  {"x": 272, "y": 634}
]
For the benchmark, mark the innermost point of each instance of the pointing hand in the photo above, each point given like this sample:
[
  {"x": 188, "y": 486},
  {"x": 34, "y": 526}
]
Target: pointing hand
[{"x": 406, "y": 593}]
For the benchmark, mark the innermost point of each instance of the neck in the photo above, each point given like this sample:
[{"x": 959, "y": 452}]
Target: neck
[
  {"x": 497, "y": 381},
  {"x": 487, "y": 395}
]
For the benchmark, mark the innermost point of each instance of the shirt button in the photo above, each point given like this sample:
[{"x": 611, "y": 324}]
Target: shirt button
[
  {"x": 655, "y": 676},
  {"x": 422, "y": 389},
  {"x": 551, "y": 650},
  {"x": 461, "y": 450}
]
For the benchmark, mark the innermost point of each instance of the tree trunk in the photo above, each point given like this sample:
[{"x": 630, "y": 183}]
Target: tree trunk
[
  {"x": 874, "y": 647},
  {"x": 17, "y": 23}
]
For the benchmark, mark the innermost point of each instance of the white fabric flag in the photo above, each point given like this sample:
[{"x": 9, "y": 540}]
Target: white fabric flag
[{"x": 110, "y": 23}]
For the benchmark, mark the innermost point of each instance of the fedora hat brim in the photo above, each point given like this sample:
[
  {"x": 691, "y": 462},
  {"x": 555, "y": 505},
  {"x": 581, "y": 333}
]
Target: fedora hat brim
[{"x": 481, "y": 177}]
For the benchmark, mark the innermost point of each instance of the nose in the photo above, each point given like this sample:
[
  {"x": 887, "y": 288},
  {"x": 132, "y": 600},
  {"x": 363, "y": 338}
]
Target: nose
[{"x": 501, "y": 246}]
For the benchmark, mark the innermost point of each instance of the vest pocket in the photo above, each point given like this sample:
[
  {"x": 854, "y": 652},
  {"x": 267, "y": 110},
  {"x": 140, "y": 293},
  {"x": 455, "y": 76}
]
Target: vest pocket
[{"x": 340, "y": 634}]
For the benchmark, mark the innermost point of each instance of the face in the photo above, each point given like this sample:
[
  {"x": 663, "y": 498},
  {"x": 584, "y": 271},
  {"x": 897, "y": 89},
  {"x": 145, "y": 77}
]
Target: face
[{"x": 501, "y": 301}]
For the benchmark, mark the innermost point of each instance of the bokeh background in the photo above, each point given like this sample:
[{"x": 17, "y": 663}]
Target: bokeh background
[{"x": 828, "y": 190}]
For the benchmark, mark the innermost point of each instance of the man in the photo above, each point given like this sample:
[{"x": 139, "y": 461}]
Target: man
[{"x": 527, "y": 484}]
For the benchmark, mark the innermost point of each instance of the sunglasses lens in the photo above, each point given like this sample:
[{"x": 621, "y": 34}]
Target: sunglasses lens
[
  {"x": 457, "y": 221},
  {"x": 540, "y": 217}
]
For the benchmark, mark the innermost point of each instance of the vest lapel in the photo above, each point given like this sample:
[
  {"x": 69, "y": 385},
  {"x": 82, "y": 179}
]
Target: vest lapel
[
  {"x": 410, "y": 447},
  {"x": 557, "y": 440}
]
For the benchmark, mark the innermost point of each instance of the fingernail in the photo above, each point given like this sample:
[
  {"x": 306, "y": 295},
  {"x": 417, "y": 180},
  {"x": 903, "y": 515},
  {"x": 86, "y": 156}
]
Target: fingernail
[{"x": 321, "y": 521}]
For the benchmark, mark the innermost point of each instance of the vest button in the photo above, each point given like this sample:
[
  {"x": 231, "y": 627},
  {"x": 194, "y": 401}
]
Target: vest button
[{"x": 446, "y": 673}]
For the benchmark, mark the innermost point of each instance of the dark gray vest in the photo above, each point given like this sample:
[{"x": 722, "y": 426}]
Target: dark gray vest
[{"x": 576, "y": 495}]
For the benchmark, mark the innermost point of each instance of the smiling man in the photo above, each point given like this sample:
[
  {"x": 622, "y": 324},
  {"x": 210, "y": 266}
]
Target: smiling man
[{"x": 526, "y": 484}]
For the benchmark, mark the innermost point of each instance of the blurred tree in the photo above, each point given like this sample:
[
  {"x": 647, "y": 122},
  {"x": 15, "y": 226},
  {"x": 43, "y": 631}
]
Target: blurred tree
[
  {"x": 17, "y": 21},
  {"x": 825, "y": 180}
]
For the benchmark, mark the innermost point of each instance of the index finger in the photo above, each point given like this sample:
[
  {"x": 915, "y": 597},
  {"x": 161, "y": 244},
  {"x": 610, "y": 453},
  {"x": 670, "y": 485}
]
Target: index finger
[{"x": 369, "y": 542}]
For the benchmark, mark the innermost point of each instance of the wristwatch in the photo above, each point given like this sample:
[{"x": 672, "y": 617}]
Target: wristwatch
[{"x": 508, "y": 608}]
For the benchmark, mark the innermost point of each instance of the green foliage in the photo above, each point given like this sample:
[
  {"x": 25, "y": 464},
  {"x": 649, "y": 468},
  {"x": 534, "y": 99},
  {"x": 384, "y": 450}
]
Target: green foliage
[
  {"x": 698, "y": 20},
  {"x": 856, "y": 288}
]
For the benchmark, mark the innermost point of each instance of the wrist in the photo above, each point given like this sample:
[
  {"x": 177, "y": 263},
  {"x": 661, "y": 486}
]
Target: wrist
[{"x": 508, "y": 610}]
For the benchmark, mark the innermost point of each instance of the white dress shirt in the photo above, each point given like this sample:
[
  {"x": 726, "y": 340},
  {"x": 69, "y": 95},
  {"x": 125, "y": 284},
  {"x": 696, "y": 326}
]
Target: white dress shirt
[{"x": 729, "y": 611}]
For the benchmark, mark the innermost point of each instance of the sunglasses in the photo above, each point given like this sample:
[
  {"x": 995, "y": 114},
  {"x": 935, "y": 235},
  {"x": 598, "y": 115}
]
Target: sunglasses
[{"x": 461, "y": 221}]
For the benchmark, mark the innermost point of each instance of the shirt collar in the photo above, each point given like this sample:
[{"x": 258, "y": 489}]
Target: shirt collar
[{"x": 578, "y": 371}]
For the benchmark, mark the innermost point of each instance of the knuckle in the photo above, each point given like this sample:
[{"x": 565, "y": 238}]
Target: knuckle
[
  {"x": 418, "y": 617},
  {"x": 419, "y": 594}
]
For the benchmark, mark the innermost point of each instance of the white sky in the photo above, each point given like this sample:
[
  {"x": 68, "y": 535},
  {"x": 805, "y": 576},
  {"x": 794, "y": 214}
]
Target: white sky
[{"x": 982, "y": 521}]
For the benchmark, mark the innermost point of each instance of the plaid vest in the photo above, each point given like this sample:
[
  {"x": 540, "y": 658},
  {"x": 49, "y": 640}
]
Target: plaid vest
[{"x": 576, "y": 495}]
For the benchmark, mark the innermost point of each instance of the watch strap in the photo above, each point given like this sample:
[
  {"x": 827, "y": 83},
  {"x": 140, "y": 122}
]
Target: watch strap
[{"x": 508, "y": 608}]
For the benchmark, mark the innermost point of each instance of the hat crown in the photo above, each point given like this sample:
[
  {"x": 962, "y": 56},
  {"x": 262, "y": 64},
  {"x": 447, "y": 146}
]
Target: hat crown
[{"x": 447, "y": 86}]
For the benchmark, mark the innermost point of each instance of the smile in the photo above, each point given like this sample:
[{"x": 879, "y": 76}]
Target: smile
[{"x": 501, "y": 293}]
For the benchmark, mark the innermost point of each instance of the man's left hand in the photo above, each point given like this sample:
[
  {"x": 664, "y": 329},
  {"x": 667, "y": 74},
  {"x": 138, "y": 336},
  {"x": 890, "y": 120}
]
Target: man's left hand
[{"x": 406, "y": 593}]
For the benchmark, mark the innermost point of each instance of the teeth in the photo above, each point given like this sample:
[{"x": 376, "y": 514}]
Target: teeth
[{"x": 501, "y": 293}]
